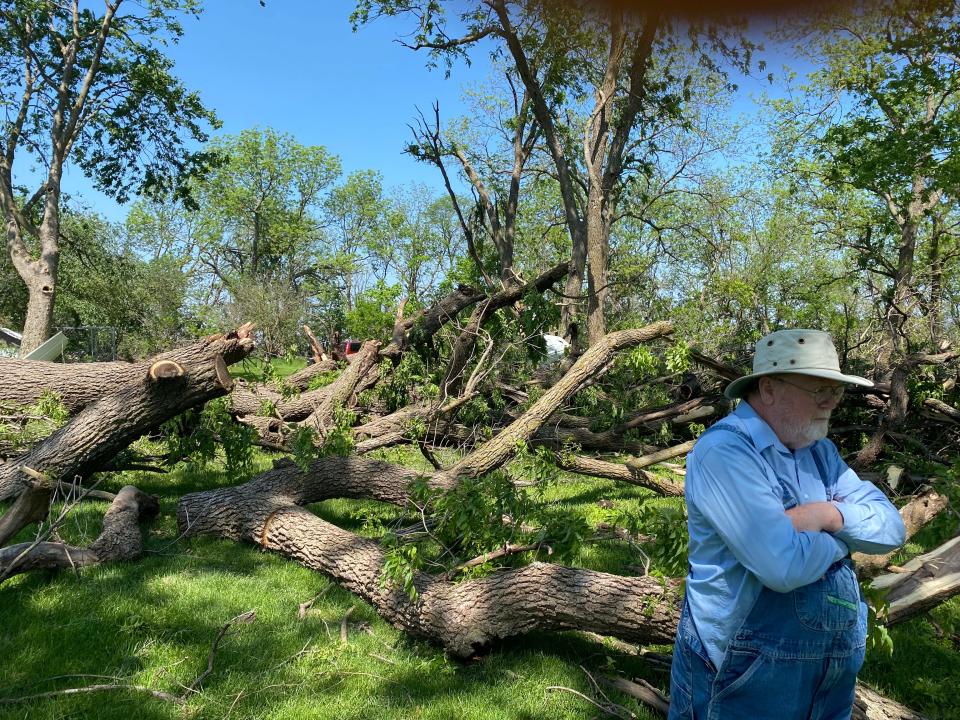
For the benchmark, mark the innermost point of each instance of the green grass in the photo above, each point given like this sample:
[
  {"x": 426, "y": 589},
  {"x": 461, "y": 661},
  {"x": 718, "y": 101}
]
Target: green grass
[
  {"x": 254, "y": 369},
  {"x": 152, "y": 622}
]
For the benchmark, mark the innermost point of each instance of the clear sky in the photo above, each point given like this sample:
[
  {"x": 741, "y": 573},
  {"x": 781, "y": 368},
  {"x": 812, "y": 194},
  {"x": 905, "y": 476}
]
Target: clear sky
[{"x": 297, "y": 66}]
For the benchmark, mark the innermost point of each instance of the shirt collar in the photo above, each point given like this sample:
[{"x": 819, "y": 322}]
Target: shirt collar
[{"x": 757, "y": 428}]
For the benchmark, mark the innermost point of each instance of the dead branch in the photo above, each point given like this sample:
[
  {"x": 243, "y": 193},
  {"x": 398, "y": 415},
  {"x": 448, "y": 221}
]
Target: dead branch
[
  {"x": 653, "y": 458},
  {"x": 495, "y": 452},
  {"x": 423, "y": 325},
  {"x": 303, "y": 607},
  {"x": 639, "y": 689},
  {"x": 343, "y": 624},
  {"x": 505, "y": 551},
  {"x": 727, "y": 372},
  {"x": 245, "y": 618},
  {"x": 120, "y": 539},
  {"x": 93, "y": 689},
  {"x": 617, "y": 471},
  {"x": 315, "y": 349}
]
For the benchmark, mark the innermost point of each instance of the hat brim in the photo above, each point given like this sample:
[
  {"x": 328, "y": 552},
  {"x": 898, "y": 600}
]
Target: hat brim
[{"x": 738, "y": 387}]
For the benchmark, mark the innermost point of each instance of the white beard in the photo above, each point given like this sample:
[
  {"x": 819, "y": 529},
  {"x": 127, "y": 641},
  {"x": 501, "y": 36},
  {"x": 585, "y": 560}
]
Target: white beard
[{"x": 804, "y": 434}]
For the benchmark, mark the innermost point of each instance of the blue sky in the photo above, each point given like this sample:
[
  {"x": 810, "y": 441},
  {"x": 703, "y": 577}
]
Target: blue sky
[{"x": 297, "y": 66}]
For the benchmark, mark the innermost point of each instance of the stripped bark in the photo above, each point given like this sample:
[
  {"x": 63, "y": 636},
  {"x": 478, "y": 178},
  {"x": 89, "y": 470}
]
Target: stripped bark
[
  {"x": 916, "y": 514},
  {"x": 871, "y": 705},
  {"x": 617, "y": 471},
  {"x": 928, "y": 580}
]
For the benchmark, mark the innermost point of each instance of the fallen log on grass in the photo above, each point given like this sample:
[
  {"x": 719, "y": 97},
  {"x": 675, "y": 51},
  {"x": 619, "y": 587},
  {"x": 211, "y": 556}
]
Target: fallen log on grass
[
  {"x": 923, "y": 583},
  {"x": 103, "y": 428},
  {"x": 120, "y": 539},
  {"x": 464, "y": 617}
]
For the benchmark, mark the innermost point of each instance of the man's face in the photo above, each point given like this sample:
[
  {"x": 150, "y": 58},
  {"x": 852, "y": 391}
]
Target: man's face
[{"x": 800, "y": 406}]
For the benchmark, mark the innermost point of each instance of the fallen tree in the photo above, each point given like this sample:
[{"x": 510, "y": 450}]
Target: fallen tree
[
  {"x": 270, "y": 511},
  {"x": 150, "y": 393},
  {"x": 466, "y": 616}
]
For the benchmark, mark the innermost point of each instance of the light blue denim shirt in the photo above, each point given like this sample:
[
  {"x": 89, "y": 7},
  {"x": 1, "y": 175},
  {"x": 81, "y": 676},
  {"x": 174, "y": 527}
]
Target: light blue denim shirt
[{"x": 740, "y": 537}]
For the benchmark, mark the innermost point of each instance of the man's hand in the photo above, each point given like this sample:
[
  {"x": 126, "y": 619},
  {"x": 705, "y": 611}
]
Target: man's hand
[{"x": 815, "y": 517}]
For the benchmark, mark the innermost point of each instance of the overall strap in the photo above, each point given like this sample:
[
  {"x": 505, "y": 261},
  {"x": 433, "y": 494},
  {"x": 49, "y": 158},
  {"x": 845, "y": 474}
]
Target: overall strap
[
  {"x": 788, "y": 497},
  {"x": 829, "y": 484}
]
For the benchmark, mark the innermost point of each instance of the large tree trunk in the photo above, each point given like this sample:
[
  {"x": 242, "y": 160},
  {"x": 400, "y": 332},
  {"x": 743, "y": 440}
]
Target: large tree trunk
[
  {"x": 78, "y": 384},
  {"x": 160, "y": 391},
  {"x": 41, "y": 285},
  {"x": 38, "y": 274},
  {"x": 464, "y": 617}
]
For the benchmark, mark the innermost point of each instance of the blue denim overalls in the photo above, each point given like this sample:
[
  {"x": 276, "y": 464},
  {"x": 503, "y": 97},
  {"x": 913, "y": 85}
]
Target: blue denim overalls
[{"x": 795, "y": 656}]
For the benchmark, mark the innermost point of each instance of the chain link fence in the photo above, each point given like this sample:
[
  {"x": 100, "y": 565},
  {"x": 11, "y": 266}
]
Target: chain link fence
[{"x": 90, "y": 343}]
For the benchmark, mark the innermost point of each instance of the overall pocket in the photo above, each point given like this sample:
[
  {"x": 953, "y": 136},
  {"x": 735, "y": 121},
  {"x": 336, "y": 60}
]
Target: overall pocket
[{"x": 832, "y": 603}]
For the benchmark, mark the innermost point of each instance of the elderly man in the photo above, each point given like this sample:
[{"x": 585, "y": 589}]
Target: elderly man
[{"x": 773, "y": 625}]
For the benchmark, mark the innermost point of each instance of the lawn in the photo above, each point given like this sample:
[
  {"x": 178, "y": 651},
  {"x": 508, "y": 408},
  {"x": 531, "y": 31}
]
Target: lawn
[{"x": 152, "y": 623}]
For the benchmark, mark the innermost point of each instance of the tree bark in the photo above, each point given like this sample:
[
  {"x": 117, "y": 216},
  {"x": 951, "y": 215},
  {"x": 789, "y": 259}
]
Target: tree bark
[
  {"x": 871, "y": 705},
  {"x": 916, "y": 514},
  {"x": 120, "y": 539},
  {"x": 105, "y": 427},
  {"x": 929, "y": 580},
  {"x": 464, "y": 617},
  {"x": 617, "y": 471},
  {"x": 31, "y": 506},
  {"x": 494, "y": 453},
  {"x": 80, "y": 384}
]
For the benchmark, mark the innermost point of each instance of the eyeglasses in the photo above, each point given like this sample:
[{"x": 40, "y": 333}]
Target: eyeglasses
[{"x": 822, "y": 394}]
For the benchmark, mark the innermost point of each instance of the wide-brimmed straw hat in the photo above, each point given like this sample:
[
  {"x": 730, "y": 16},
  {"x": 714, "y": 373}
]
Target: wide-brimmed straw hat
[{"x": 795, "y": 352}]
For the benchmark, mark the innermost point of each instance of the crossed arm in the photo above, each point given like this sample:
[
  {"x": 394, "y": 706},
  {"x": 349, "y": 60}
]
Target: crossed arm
[{"x": 816, "y": 517}]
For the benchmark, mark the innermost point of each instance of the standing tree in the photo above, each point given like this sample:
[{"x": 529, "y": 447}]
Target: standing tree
[
  {"x": 891, "y": 70},
  {"x": 94, "y": 90},
  {"x": 599, "y": 95}
]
